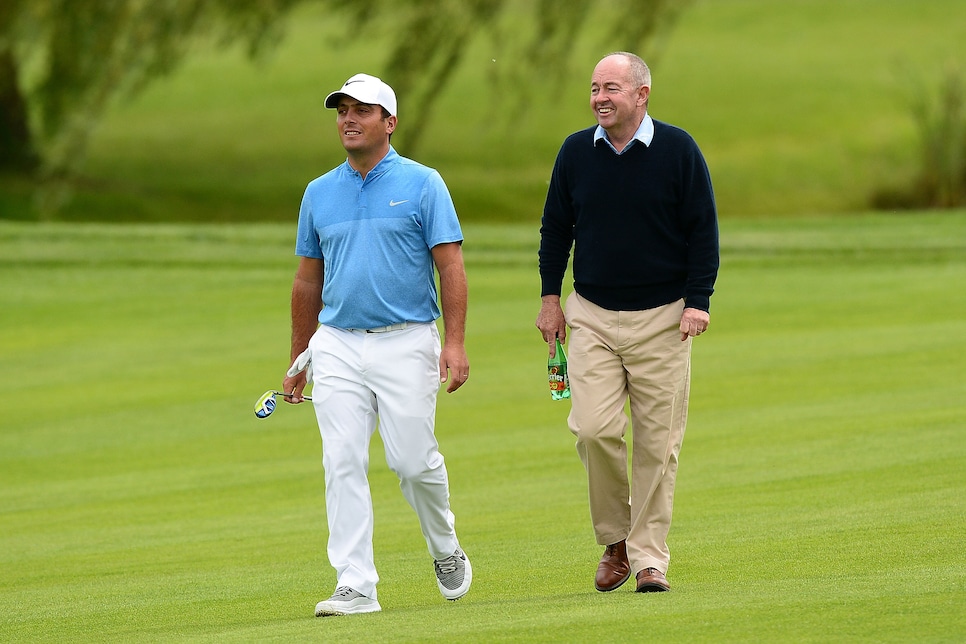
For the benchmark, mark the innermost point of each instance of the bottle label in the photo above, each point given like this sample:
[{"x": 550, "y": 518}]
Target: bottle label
[
  {"x": 559, "y": 382},
  {"x": 557, "y": 374},
  {"x": 558, "y": 378}
]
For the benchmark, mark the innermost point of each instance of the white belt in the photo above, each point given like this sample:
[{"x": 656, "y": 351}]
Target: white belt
[{"x": 383, "y": 329}]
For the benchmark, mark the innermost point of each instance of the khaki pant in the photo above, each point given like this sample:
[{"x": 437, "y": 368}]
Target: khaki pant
[{"x": 616, "y": 356}]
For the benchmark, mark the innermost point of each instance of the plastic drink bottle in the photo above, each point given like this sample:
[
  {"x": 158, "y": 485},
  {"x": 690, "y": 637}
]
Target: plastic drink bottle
[{"x": 557, "y": 374}]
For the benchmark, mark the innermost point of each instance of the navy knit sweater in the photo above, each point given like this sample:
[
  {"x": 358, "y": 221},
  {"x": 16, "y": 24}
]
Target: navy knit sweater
[{"x": 643, "y": 224}]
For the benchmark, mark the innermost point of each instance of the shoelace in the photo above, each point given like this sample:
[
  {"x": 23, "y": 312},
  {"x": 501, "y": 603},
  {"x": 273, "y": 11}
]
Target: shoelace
[
  {"x": 343, "y": 591},
  {"x": 446, "y": 566}
]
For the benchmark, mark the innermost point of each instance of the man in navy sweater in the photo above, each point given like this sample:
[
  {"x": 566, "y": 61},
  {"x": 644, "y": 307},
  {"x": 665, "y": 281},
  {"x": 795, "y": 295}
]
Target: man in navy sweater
[{"x": 632, "y": 197}]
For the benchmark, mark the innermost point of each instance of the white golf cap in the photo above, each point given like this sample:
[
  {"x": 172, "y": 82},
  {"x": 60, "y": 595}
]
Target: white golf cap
[{"x": 365, "y": 89}]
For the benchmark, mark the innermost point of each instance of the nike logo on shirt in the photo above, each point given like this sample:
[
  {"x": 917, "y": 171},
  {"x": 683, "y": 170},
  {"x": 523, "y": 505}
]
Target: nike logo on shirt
[{"x": 396, "y": 203}]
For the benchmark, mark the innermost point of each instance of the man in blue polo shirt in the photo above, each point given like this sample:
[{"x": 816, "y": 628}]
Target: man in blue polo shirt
[
  {"x": 364, "y": 310},
  {"x": 632, "y": 196}
]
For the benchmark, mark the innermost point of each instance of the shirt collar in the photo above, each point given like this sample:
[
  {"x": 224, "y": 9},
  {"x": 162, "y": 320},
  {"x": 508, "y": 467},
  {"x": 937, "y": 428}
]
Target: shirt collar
[
  {"x": 644, "y": 134},
  {"x": 386, "y": 160},
  {"x": 381, "y": 166}
]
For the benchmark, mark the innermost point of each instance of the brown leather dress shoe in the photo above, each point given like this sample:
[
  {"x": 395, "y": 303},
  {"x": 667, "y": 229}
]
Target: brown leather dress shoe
[
  {"x": 652, "y": 580},
  {"x": 614, "y": 569}
]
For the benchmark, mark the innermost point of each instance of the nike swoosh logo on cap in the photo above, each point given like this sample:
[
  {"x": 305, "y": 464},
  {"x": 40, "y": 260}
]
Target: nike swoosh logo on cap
[{"x": 396, "y": 203}]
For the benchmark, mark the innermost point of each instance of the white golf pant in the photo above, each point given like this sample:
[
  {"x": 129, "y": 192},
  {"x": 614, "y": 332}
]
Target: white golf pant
[{"x": 392, "y": 376}]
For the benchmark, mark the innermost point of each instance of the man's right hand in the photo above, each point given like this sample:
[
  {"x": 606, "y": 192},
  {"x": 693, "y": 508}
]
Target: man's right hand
[
  {"x": 296, "y": 386},
  {"x": 551, "y": 322},
  {"x": 298, "y": 376}
]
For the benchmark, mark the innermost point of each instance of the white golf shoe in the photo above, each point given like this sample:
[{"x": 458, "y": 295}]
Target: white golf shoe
[
  {"x": 346, "y": 601},
  {"x": 454, "y": 575}
]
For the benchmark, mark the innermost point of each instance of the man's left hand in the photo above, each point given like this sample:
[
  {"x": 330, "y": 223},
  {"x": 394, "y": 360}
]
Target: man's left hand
[
  {"x": 694, "y": 322},
  {"x": 454, "y": 367}
]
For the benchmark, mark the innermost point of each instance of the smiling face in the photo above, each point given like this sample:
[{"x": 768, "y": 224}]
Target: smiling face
[
  {"x": 618, "y": 103},
  {"x": 363, "y": 129}
]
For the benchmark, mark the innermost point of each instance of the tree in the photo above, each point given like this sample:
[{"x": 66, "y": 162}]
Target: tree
[
  {"x": 16, "y": 149},
  {"x": 429, "y": 38},
  {"x": 62, "y": 62}
]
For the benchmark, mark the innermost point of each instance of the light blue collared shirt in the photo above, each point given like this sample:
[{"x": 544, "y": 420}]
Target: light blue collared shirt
[
  {"x": 376, "y": 236},
  {"x": 644, "y": 134}
]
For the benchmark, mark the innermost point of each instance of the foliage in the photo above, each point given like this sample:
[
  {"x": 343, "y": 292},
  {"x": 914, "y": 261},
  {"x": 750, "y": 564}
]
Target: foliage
[
  {"x": 940, "y": 120},
  {"x": 16, "y": 147},
  {"x": 942, "y": 131},
  {"x": 430, "y": 37},
  {"x": 226, "y": 140},
  {"x": 85, "y": 53}
]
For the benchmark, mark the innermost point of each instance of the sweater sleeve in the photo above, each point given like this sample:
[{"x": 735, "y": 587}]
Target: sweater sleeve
[
  {"x": 701, "y": 225},
  {"x": 556, "y": 229}
]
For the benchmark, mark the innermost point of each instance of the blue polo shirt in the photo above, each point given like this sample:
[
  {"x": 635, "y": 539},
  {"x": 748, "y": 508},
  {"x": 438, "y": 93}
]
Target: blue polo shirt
[{"x": 375, "y": 236}]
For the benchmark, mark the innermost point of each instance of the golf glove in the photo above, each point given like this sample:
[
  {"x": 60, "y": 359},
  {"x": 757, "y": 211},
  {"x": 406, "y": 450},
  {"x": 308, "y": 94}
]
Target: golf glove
[{"x": 302, "y": 363}]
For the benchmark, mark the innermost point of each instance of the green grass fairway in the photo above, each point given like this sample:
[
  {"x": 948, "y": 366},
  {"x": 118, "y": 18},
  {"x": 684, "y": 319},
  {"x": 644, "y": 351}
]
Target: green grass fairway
[{"x": 820, "y": 497}]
